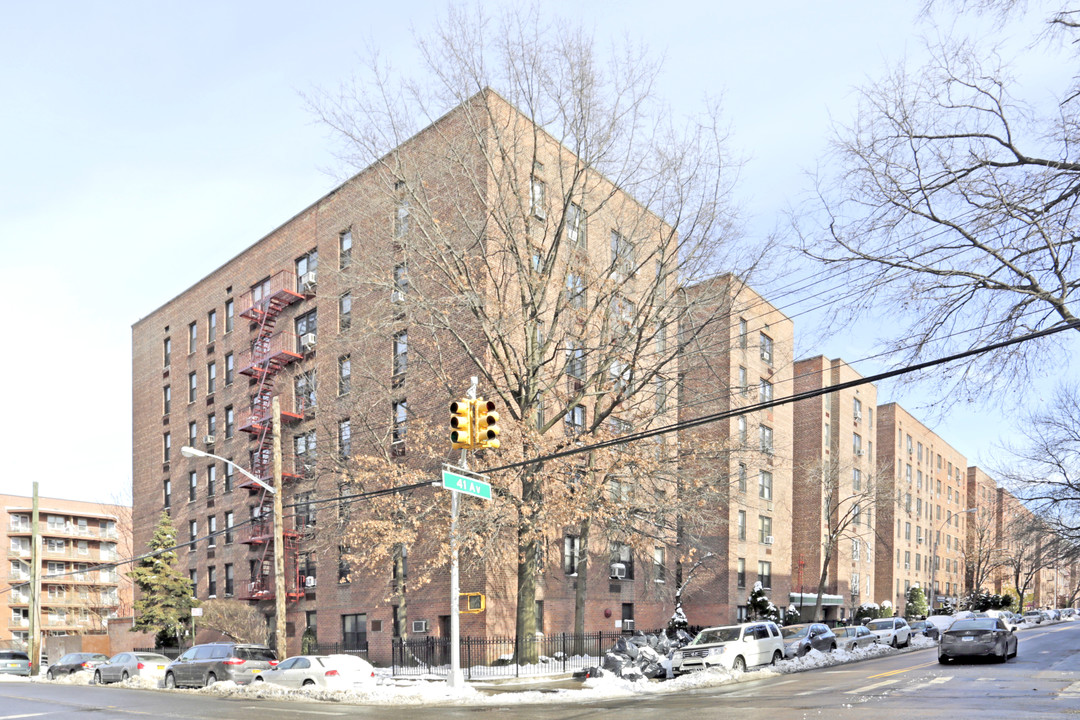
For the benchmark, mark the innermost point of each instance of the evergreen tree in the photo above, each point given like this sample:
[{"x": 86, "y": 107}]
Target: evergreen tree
[
  {"x": 916, "y": 603},
  {"x": 760, "y": 606},
  {"x": 165, "y": 601}
]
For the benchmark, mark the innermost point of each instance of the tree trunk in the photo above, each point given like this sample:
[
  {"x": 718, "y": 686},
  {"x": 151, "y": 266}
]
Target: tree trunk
[
  {"x": 582, "y": 570},
  {"x": 818, "y": 615},
  {"x": 526, "y": 572}
]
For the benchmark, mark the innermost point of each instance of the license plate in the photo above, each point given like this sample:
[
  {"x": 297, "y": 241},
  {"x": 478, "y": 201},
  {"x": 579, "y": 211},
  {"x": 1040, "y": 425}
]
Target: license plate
[
  {"x": 13, "y": 664},
  {"x": 254, "y": 670},
  {"x": 160, "y": 667},
  {"x": 967, "y": 639}
]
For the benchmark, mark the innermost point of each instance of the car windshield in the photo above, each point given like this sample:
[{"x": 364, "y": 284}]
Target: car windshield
[
  {"x": 975, "y": 624},
  {"x": 795, "y": 631},
  {"x": 6, "y": 655},
  {"x": 152, "y": 657},
  {"x": 717, "y": 635},
  {"x": 918, "y": 625},
  {"x": 880, "y": 625},
  {"x": 845, "y": 631}
]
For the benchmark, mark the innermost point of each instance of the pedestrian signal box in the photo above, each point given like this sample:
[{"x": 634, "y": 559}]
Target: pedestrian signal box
[{"x": 474, "y": 603}]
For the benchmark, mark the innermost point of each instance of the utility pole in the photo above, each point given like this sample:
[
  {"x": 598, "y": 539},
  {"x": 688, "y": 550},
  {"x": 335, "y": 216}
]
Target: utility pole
[
  {"x": 35, "y": 587},
  {"x": 279, "y": 537},
  {"x": 457, "y": 677}
]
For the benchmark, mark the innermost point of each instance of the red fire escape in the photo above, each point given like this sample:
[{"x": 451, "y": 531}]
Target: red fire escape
[{"x": 270, "y": 353}]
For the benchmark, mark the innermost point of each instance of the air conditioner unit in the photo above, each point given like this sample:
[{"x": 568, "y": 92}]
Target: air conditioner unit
[
  {"x": 419, "y": 626},
  {"x": 858, "y": 417},
  {"x": 860, "y": 453},
  {"x": 769, "y": 539},
  {"x": 307, "y": 281},
  {"x": 307, "y": 341},
  {"x": 309, "y": 581},
  {"x": 397, "y": 296},
  {"x": 209, "y": 439},
  {"x": 627, "y": 624},
  {"x": 618, "y": 571}
]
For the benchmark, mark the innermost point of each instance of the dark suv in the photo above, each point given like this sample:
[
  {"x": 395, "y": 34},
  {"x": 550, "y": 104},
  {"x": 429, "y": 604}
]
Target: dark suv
[{"x": 204, "y": 665}]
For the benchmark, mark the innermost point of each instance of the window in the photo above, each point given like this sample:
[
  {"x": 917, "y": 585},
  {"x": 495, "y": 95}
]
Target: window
[
  {"x": 854, "y": 583},
  {"x": 193, "y": 337},
  {"x": 571, "y": 553},
  {"x": 742, "y": 525},
  {"x": 740, "y": 577},
  {"x": 765, "y": 434},
  {"x": 230, "y": 580},
  {"x": 167, "y": 490},
  {"x": 857, "y": 409},
  {"x": 401, "y": 357},
  {"x": 855, "y": 549},
  {"x": 401, "y": 282},
  {"x": 400, "y": 417},
  {"x": 167, "y": 351},
  {"x": 856, "y": 479},
  {"x": 306, "y": 268},
  {"x": 211, "y": 480},
  {"x": 230, "y": 422},
  {"x": 907, "y": 559},
  {"x": 766, "y": 348},
  {"x": 856, "y": 444},
  {"x": 401, "y": 218},
  {"x": 344, "y": 439},
  {"x": 765, "y": 485},
  {"x": 742, "y": 477},
  {"x": 193, "y": 433},
  {"x": 764, "y": 528},
  {"x": 918, "y": 453},
  {"x": 622, "y": 555},
  {"x": 166, "y": 446},
  {"x": 304, "y": 391},
  {"x": 193, "y": 532},
  {"x": 575, "y": 359},
  {"x": 765, "y": 573},
  {"x": 765, "y": 391},
  {"x": 211, "y": 378},
  {"x": 354, "y": 632},
  {"x": 622, "y": 254},
  {"x": 229, "y": 522},
  {"x": 743, "y": 333},
  {"x": 193, "y": 485},
  {"x": 856, "y": 518},
  {"x": 193, "y": 386},
  {"x": 743, "y": 381},
  {"x": 575, "y": 291},
  {"x": 306, "y": 325},
  {"x": 56, "y": 523},
  {"x": 742, "y": 430},
  {"x": 344, "y": 375},
  {"x": 575, "y": 420},
  {"x": 537, "y": 203},
  {"x": 230, "y": 315},
  {"x": 345, "y": 249},
  {"x": 661, "y": 394},
  {"x": 305, "y": 510},
  {"x": 166, "y": 399},
  {"x": 304, "y": 448},
  {"x": 345, "y": 570},
  {"x": 211, "y": 529},
  {"x": 345, "y": 311},
  {"x": 659, "y": 564},
  {"x": 211, "y": 326},
  {"x": 54, "y": 545},
  {"x": 230, "y": 369},
  {"x": 575, "y": 226}
]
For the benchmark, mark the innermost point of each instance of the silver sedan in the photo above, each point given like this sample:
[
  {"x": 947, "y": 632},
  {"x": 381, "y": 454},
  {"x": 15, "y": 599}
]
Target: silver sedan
[
  {"x": 333, "y": 672},
  {"x": 125, "y": 665},
  {"x": 854, "y": 636}
]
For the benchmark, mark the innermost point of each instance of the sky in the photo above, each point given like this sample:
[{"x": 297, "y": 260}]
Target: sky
[{"x": 142, "y": 145}]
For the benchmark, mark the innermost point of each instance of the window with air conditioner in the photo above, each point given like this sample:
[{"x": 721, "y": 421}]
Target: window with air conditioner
[
  {"x": 306, "y": 266},
  {"x": 419, "y": 626}
]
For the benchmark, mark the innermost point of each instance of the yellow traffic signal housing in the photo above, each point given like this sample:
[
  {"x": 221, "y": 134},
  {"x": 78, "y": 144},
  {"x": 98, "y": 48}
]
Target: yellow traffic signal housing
[
  {"x": 487, "y": 424},
  {"x": 474, "y": 603},
  {"x": 462, "y": 425}
]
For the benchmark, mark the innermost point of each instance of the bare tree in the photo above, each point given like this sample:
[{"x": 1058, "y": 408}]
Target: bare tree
[
  {"x": 1031, "y": 548},
  {"x": 235, "y": 619},
  {"x": 956, "y": 201},
  {"x": 541, "y": 236},
  {"x": 985, "y": 554}
]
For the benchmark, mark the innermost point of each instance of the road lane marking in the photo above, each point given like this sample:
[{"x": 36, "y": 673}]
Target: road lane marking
[
  {"x": 868, "y": 688},
  {"x": 901, "y": 670},
  {"x": 816, "y": 691},
  {"x": 288, "y": 710},
  {"x": 13, "y": 717},
  {"x": 940, "y": 680}
]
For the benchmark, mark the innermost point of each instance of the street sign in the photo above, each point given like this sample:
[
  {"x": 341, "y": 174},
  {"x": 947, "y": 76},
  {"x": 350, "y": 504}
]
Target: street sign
[{"x": 465, "y": 484}]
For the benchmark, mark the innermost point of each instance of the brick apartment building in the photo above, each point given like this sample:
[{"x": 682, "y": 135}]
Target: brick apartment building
[
  {"x": 922, "y": 499},
  {"x": 77, "y": 596},
  {"x": 835, "y": 486},
  {"x": 354, "y": 314}
]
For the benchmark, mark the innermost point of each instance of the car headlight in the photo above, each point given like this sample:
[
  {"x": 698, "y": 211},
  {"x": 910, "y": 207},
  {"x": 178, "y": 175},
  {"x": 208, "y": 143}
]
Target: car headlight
[
  {"x": 678, "y": 655},
  {"x": 717, "y": 650}
]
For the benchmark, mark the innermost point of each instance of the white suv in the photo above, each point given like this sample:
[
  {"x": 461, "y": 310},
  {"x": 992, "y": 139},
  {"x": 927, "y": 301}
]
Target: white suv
[
  {"x": 891, "y": 631},
  {"x": 733, "y": 647}
]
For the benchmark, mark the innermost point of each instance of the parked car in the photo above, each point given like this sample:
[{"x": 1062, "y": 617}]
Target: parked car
[
  {"x": 124, "y": 665},
  {"x": 734, "y": 647},
  {"x": 333, "y": 672},
  {"x": 978, "y": 637},
  {"x": 74, "y": 662},
  {"x": 926, "y": 629},
  {"x": 941, "y": 622},
  {"x": 14, "y": 662},
  {"x": 799, "y": 639},
  {"x": 204, "y": 665},
  {"x": 853, "y": 637},
  {"x": 1034, "y": 617},
  {"x": 891, "y": 631}
]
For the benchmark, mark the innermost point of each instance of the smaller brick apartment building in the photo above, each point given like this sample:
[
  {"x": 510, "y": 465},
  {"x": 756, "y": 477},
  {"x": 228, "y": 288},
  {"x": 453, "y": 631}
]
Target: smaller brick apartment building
[
  {"x": 77, "y": 596},
  {"x": 835, "y": 486}
]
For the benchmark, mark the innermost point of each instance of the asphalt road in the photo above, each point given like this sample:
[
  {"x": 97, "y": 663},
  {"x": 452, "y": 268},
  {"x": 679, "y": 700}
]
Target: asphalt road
[{"x": 1043, "y": 681}]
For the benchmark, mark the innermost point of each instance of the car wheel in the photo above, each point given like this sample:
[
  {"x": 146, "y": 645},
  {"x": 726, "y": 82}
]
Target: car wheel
[
  {"x": 211, "y": 679},
  {"x": 832, "y": 648},
  {"x": 943, "y": 659},
  {"x": 776, "y": 657},
  {"x": 97, "y": 677},
  {"x": 1004, "y": 656},
  {"x": 894, "y": 643},
  {"x": 170, "y": 681},
  {"x": 259, "y": 678},
  {"x": 309, "y": 683},
  {"x": 124, "y": 676},
  {"x": 739, "y": 665},
  {"x": 50, "y": 675}
]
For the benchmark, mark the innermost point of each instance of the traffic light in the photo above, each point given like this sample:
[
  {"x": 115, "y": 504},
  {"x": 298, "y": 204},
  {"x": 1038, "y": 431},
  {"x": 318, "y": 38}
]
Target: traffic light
[
  {"x": 462, "y": 428},
  {"x": 487, "y": 428}
]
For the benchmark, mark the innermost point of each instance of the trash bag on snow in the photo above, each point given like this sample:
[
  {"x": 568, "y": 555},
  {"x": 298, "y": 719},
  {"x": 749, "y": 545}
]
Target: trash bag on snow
[
  {"x": 615, "y": 663},
  {"x": 623, "y": 647}
]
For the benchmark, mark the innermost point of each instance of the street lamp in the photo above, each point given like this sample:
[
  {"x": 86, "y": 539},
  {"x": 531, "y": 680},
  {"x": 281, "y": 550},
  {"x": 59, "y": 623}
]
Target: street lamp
[
  {"x": 190, "y": 452},
  {"x": 933, "y": 558}
]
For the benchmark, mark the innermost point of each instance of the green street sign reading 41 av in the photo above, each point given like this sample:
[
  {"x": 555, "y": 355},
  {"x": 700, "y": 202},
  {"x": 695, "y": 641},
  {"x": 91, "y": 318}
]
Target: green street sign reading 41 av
[{"x": 466, "y": 484}]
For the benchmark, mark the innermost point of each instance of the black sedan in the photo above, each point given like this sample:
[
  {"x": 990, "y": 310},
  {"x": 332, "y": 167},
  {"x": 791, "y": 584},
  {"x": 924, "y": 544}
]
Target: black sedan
[
  {"x": 799, "y": 639},
  {"x": 74, "y": 662},
  {"x": 977, "y": 637},
  {"x": 925, "y": 629}
]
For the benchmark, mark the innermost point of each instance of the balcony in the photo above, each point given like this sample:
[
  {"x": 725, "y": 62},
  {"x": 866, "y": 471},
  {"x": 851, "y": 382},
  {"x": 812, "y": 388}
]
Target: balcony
[
  {"x": 268, "y": 355},
  {"x": 268, "y": 297},
  {"x": 291, "y": 469},
  {"x": 259, "y": 418}
]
